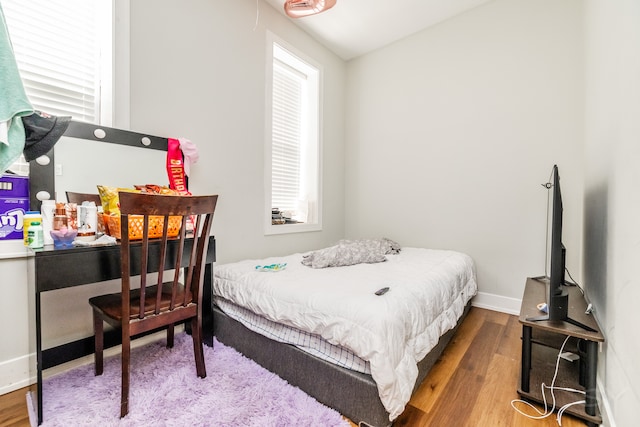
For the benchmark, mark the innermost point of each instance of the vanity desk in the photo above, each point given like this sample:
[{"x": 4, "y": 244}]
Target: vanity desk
[{"x": 51, "y": 269}]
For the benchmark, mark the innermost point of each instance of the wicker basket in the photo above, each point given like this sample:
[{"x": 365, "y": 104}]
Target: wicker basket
[{"x": 136, "y": 223}]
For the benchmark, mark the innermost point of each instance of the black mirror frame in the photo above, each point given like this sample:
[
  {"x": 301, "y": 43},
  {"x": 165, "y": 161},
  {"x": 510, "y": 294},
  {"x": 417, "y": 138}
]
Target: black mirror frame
[{"x": 42, "y": 177}]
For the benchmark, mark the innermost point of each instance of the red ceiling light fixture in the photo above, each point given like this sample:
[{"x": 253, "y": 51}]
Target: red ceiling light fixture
[{"x": 302, "y": 8}]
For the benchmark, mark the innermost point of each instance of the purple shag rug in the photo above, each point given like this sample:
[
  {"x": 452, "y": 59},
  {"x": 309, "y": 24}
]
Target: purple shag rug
[{"x": 165, "y": 391}]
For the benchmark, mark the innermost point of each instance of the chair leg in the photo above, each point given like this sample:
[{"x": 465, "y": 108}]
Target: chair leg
[
  {"x": 198, "y": 351},
  {"x": 98, "y": 336},
  {"x": 170, "y": 335},
  {"x": 126, "y": 362}
]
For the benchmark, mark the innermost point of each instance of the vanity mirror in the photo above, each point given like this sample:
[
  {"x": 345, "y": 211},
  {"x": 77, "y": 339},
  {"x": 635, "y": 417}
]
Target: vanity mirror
[{"x": 88, "y": 155}]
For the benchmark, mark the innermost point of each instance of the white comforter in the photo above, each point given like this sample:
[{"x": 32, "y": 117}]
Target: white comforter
[{"x": 428, "y": 290}]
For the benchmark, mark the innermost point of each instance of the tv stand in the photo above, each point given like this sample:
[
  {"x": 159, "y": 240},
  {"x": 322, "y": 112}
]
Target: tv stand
[
  {"x": 541, "y": 341},
  {"x": 563, "y": 301},
  {"x": 567, "y": 319}
]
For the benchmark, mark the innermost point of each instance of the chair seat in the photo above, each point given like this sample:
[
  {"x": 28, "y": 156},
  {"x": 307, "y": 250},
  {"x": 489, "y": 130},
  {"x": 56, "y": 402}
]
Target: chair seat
[{"x": 111, "y": 304}]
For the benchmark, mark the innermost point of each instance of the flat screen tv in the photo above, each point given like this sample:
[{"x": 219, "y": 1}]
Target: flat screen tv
[{"x": 558, "y": 297}]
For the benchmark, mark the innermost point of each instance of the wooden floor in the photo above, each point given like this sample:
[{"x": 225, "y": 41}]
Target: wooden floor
[
  {"x": 472, "y": 384},
  {"x": 476, "y": 379}
]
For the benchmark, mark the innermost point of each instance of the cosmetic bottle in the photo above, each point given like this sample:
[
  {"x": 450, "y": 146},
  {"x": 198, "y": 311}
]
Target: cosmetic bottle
[{"x": 35, "y": 235}]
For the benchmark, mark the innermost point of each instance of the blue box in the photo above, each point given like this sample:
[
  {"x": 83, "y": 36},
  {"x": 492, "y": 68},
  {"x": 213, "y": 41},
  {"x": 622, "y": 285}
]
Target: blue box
[{"x": 14, "y": 202}]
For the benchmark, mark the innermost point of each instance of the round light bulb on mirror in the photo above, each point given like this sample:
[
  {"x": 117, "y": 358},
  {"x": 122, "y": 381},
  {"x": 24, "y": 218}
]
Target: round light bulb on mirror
[
  {"x": 43, "y": 160},
  {"x": 43, "y": 195},
  {"x": 99, "y": 133}
]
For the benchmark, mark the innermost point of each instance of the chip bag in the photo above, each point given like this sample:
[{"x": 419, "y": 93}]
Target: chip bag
[{"x": 109, "y": 198}]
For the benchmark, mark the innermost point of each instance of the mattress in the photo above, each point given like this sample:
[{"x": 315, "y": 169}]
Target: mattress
[
  {"x": 305, "y": 341},
  {"x": 428, "y": 290}
]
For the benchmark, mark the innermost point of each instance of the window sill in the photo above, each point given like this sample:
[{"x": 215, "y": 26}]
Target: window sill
[{"x": 291, "y": 228}]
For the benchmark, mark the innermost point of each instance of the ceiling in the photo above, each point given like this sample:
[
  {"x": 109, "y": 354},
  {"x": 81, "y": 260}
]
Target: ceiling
[{"x": 355, "y": 27}]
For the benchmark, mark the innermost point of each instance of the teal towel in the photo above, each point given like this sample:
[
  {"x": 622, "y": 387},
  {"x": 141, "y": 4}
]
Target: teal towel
[{"x": 13, "y": 102}]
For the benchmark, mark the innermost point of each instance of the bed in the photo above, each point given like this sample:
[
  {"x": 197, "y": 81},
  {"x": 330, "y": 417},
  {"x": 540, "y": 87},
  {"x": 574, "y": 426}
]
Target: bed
[{"x": 325, "y": 329}]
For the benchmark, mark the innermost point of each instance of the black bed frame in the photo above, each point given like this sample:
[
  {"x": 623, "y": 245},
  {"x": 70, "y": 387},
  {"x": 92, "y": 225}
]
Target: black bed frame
[{"x": 352, "y": 394}]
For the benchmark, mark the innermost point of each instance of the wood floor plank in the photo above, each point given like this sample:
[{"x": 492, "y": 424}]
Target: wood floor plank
[
  {"x": 13, "y": 409},
  {"x": 457, "y": 401},
  {"x": 511, "y": 342},
  {"x": 493, "y": 404},
  {"x": 440, "y": 375}
]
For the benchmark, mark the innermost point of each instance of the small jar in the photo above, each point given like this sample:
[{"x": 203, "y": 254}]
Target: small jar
[
  {"x": 60, "y": 217},
  {"x": 35, "y": 235}
]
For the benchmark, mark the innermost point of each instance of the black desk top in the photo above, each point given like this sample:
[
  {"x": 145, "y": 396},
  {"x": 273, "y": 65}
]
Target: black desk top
[{"x": 58, "y": 268}]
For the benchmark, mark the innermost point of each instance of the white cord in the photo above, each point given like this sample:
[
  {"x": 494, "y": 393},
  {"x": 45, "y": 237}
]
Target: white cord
[
  {"x": 548, "y": 411},
  {"x": 564, "y": 408}
]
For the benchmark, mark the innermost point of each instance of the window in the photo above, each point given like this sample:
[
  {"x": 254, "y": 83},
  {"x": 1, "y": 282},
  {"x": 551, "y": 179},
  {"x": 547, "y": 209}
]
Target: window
[
  {"x": 64, "y": 54},
  {"x": 292, "y": 171}
]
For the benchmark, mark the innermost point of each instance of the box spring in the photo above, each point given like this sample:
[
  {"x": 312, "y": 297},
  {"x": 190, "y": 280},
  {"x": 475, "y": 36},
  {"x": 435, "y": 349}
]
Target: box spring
[{"x": 352, "y": 394}]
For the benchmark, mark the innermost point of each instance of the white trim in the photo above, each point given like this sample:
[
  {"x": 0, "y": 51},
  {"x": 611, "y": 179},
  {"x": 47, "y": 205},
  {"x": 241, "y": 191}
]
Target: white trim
[
  {"x": 497, "y": 303},
  {"x": 15, "y": 373},
  {"x": 316, "y": 224},
  {"x": 604, "y": 406},
  {"x": 14, "y": 248},
  {"x": 290, "y": 228}
]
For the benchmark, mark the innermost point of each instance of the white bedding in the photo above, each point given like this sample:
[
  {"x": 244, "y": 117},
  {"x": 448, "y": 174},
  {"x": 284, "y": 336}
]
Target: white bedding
[{"x": 428, "y": 290}]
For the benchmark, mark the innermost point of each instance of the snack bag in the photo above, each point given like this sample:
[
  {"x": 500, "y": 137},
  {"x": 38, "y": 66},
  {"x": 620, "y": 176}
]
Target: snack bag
[
  {"x": 166, "y": 191},
  {"x": 110, "y": 200},
  {"x": 157, "y": 189}
]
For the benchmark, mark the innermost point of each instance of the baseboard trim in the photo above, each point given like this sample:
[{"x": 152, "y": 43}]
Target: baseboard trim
[
  {"x": 497, "y": 303},
  {"x": 15, "y": 373},
  {"x": 604, "y": 406}
]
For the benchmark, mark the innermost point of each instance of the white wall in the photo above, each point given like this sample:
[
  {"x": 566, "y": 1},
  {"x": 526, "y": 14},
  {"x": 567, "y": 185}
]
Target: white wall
[
  {"x": 198, "y": 71},
  {"x": 612, "y": 199},
  {"x": 451, "y": 131}
]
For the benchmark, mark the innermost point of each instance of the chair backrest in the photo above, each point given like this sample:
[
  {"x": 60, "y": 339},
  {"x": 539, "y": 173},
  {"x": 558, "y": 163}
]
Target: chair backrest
[
  {"x": 78, "y": 198},
  {"x": 188, "y": 249}
]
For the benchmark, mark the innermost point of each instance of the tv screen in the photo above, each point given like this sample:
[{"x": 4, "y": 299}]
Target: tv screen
[
  {"x": 558, "y": 295},
  {"x": 557, "y": 302}
]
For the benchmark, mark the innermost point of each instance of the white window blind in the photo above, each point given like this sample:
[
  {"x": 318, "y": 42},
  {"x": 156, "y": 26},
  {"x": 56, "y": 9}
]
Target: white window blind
[
  {"x": 292, "y": 165},
  {"x": 57, "y": 49},
  {"x": 287, "y": 133}
]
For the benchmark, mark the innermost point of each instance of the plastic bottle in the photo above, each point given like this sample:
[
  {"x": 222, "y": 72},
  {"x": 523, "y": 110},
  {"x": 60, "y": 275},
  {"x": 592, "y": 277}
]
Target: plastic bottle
[
  {"x": 28, "y": 218},
  {"x": 35, "y": 235}
]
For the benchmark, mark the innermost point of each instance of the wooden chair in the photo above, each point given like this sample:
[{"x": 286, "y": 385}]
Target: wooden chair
[{"x": 160, "y": 304}]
